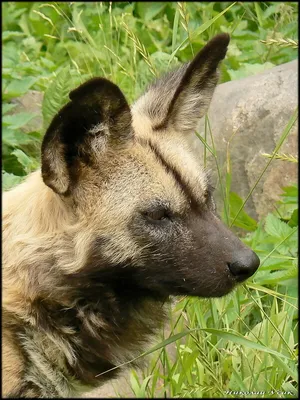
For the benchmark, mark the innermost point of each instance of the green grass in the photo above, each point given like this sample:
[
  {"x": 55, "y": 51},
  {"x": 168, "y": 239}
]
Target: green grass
[{"x": 246, "y": 341}]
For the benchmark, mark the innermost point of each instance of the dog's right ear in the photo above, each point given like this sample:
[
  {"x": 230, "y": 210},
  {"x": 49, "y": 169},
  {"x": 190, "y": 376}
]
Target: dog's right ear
[
  {"x": 98, "y": 116},
  {"x": 180, "y": 98}
]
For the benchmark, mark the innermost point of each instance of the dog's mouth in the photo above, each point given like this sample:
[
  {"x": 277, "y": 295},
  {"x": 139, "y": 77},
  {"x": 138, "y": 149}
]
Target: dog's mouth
[{"x": 213, "y": 283}]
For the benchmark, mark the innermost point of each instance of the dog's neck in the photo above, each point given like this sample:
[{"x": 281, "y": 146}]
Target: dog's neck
[{"x": 69, "y": 349}]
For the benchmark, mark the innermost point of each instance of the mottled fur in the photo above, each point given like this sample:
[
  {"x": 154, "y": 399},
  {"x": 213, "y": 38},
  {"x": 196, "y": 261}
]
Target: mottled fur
[{"x": 119, "y": 218}]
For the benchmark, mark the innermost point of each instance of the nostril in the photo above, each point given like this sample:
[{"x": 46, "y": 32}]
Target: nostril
[
  {"x": 239, "y": 270},
  {"x": 245, "y": 267}
]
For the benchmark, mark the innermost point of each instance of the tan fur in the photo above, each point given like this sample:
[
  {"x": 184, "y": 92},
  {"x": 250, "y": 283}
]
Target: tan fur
[
  {"x": 32, "y": 215},
  {"x": 12, "y": 362}
]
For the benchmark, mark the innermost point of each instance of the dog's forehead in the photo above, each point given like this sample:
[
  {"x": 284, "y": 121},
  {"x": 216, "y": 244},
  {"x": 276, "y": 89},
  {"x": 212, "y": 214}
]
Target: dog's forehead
[
  {"x": 174, "y": 149},
  {"x": 164, "y": 168},
  {"x": 153, "y": 165}
]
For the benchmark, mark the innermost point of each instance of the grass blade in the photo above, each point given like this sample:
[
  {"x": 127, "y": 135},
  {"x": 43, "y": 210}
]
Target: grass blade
[
  {"x": 200, "y": 30},
  {"x": 244, "y": 342}
]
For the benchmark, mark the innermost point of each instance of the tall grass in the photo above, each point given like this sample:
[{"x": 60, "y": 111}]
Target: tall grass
[{"x": 244, "y": 344}]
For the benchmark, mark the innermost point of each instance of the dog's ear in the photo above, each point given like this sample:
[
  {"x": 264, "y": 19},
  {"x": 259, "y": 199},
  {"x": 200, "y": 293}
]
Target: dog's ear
[
  {"x": 97, "y": 116},
  {"x": 182, "y": 97}
]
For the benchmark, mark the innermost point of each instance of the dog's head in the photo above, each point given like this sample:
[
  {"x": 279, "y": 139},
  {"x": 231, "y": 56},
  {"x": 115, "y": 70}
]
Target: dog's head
[{"x": 130, "y": 176}]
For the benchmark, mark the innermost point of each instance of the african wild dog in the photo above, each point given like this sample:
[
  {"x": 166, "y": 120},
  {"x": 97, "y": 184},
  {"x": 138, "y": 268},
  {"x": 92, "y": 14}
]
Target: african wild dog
[{"x": 119, "y": 218}]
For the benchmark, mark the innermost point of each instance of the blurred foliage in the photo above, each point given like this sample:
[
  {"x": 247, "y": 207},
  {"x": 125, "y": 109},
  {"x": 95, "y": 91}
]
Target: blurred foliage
[{"x": 127, "y": 42}]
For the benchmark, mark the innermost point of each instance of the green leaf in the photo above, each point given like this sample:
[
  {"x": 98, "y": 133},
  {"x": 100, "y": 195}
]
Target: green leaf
[
  {"x": 277, "y": 228},
  {"x": 290, "y": 191},
  {"x": 28, "y": 163},
  {"x": 7, "y": 107},
  {"x": 16, "y": 121},
  {"x": 197, "y": 32},
  {"x": 244, "y": 342},
  {"x": 248, "y": 69},
  {"x": 139, "y": 389},
  {"x": 243, "y": 220},
  {"x": 272, "y": 264},
  {"x": 290, "y": 195},
  {"x": 277, "y": 277},
  {"x": 161, "y": 60},
  {"x": 15, "y": 138},
  {"x": 294, "y": 219},
  {"x": 56, "y": 96},
  {"x": 11, "y": 35},
  {"x": 268, "y": 291},
  {"x": 149, "y": 10},
  {"x": 289, "y": 371},
  {"x": 208, "y": 23},
  {"x": 10, "y": 180},
  {"x": 271, "y": 10},
  {"x": 259, "y": 14},
  {"x": 18, "y": 87}
]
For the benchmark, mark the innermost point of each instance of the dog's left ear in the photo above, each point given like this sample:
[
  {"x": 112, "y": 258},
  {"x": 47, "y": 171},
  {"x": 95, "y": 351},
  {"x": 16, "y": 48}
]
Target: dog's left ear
[
  {"x": 97, "y": 118},
  {"x": 182, "y": 97}
]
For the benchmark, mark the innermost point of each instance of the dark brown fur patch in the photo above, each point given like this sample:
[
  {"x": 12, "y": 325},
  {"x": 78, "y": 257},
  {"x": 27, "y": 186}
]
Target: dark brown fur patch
[
  {"x": 102, "y": 301},
  {"x": 194, "y": 203},
  {"x": 98, "y": 101}
]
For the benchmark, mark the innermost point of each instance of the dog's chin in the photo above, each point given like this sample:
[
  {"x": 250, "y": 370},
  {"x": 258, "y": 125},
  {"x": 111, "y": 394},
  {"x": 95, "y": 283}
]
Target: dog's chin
[
  {"x": 215, "y": 294},
  {"x": 163, "y": 290},
  {"x": 207, "y": 292}
]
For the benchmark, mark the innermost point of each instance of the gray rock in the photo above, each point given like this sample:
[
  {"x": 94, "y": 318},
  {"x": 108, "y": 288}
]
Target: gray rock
[{"x": 248, "y": 116}]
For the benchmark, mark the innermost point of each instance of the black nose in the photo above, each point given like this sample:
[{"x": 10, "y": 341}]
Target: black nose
[{"x": 244, "y": 265}]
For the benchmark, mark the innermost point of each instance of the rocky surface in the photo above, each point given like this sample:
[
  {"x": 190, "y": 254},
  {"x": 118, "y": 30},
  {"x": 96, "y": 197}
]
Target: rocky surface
[{"x": 248, "y": 116}]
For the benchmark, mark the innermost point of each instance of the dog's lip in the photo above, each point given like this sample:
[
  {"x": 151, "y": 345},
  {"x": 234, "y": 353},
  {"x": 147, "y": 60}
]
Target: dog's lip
[{"x": 231, "y": 284}]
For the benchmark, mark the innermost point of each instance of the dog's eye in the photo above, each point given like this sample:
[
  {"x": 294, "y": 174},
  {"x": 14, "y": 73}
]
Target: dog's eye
[{"x": 156, "y": 215}]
